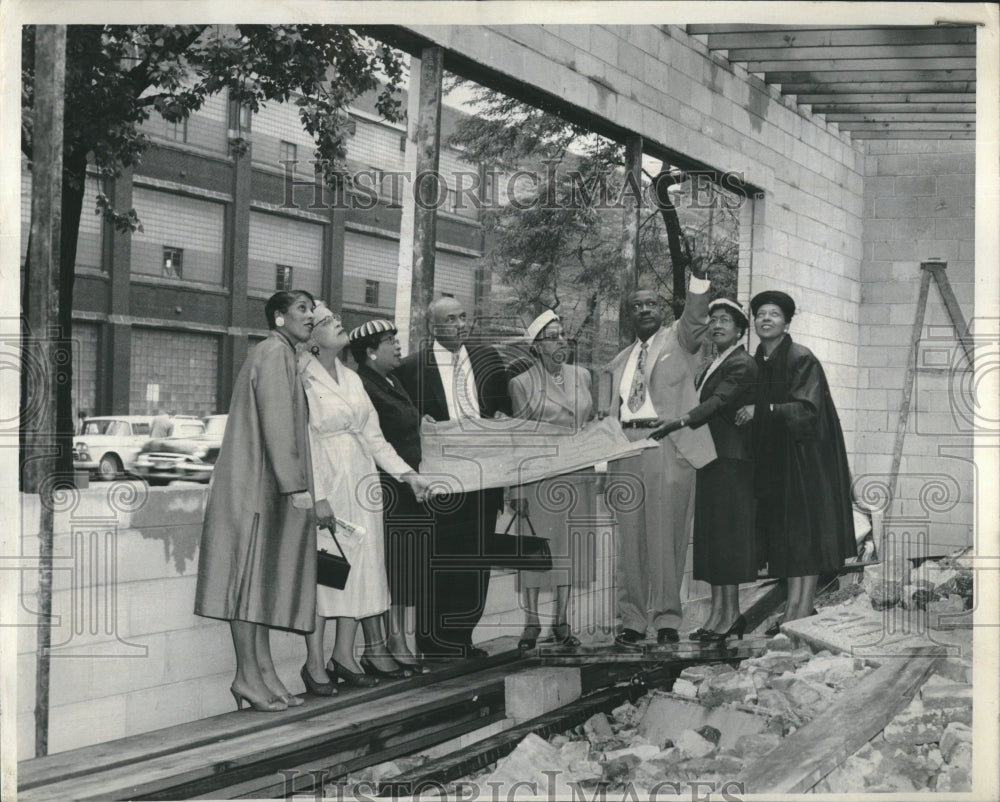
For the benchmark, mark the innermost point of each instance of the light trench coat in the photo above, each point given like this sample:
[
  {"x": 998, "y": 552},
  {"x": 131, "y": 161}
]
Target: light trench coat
[{"x": 347, "y": 444}]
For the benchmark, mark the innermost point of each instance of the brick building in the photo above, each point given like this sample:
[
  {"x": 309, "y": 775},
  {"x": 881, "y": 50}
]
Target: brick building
[{"x": 163, "y": 317}]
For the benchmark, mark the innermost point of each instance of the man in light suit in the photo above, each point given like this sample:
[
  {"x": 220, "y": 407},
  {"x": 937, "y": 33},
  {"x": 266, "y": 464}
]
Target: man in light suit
[
  {"x": 448, "y": 381},
  {"x": 652, "y": 383}
]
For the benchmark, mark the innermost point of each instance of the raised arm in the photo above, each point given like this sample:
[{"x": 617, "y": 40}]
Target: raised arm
[{"x": 693, "y": 322}]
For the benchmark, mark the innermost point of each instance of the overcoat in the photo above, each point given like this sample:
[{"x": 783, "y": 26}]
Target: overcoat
[
  {"x": 347, "y": 444},
  {"x": 258, "y": 552},
  {"x": 561, "y": 508},
  {"x": 725, "y": 544},
  {"x": 801, "y": 475}
]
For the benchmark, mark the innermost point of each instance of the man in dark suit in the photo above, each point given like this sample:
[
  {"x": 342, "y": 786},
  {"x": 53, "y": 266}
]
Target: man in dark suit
[{"x": 448, "y": 381}]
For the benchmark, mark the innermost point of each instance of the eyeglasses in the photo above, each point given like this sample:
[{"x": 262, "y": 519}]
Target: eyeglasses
[
  {"x": 390, "y": 339},
  {"x": 638, "y": 306}
]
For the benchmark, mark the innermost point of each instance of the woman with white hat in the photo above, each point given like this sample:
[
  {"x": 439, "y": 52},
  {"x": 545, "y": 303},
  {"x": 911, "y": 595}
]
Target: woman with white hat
[
  {"x": 555, "y": 392},
  {"x": 725, "y": 546}
]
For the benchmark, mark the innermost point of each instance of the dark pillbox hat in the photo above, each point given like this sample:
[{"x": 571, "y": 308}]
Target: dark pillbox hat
[{"x": 780, "y": 299}]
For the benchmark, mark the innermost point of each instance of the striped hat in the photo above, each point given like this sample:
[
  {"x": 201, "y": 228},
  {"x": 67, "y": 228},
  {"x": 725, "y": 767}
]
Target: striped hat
[{"x": 372, "y": 328}]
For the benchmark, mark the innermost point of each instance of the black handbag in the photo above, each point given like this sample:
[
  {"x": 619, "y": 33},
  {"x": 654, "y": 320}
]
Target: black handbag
[
  {"x": 521, "y": 552},
  {"x": 332, "y": 569}
]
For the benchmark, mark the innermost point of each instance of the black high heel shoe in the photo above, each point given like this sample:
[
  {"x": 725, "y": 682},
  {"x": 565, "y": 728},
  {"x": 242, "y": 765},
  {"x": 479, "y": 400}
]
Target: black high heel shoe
[
  {"x": 528, "y": 638},
  {"x": 738, "y": 628},
  {"x": 350, "y": 677},
  {"x": 314, "y": 687},
  {"x": 373, "y": 670},
  {"x": 417, "y": 667},
  {"x": 561, "y": 636}
]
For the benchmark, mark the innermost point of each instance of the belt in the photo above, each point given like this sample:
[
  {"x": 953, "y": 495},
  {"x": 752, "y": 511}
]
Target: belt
[{"x": 640, "y": 424}]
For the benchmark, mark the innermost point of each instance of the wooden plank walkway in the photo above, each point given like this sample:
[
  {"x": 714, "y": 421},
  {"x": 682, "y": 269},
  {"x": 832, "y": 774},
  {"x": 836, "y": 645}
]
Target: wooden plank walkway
[
  {"x": 810, "y": 753},
  {"x": 224, "y": 748}
]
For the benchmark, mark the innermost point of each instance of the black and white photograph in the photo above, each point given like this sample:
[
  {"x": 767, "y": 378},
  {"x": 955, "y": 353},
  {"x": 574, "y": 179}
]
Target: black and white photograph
[{"x": 499, "y": 400}]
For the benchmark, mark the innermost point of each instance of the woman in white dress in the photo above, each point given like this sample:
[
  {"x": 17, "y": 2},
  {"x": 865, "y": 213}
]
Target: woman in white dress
[{"x": 347, "y": 444}]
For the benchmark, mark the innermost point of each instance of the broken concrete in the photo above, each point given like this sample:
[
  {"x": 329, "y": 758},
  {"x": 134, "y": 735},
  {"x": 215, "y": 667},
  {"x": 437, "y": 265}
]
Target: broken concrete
[{"x": 532, "y": 693}]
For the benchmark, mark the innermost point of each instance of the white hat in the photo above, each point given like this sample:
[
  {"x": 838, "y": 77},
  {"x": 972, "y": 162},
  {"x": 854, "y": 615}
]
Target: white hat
[
  {"x": 734, "y": 307},
  {"x": 539, "y": 323},
  {"x": 320, "y": 313}
]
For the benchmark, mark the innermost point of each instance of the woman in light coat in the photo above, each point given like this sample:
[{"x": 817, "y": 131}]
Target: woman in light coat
[
  {"x": 347, "y": 445},
  {"x": 563, "y": 507},
  {"x": 257, "y": 563}
]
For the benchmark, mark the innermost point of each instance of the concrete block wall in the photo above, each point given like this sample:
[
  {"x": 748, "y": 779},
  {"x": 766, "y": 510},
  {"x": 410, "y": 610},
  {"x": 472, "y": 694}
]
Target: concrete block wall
[
  {"x": 657, "y": 81},
  {"x": 128, "y": 653},
  {"x": 919, "y": 204}
]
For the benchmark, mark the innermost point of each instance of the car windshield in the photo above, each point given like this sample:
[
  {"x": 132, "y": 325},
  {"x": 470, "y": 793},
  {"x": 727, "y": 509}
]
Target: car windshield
[
  {"x": 187, "y": 428},
  {"x": 96, "y": 426},
  {"x": 215, "y": 426}
]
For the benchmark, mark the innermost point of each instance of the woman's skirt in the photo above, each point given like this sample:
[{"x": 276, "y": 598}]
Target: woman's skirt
[{"x": 725, "y": 543}]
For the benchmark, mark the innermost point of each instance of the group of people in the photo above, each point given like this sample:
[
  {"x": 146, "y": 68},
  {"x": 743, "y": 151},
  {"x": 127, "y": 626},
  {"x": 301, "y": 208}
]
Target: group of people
[
  {"x": 750, "y": 452},
  {"x": 752, "y": 459}
]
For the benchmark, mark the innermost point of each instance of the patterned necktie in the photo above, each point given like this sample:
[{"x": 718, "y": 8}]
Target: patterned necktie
[
  {"x": 463, "y": 402},
  {"x": 637, "y": 395}
]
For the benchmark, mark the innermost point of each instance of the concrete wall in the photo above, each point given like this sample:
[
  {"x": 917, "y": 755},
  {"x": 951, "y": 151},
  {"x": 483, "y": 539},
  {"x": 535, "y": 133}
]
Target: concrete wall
[
  {"x": 659, "y": 82},
  {"x": 919, "y": 204},
  {"x": 128, "y": 653}
]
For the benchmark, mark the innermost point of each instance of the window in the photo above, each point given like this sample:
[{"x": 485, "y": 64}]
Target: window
[
  {"x": 173, "y": 262},
  {"x": 288, "y": 153},
  {"x": 244, "y": 116},
  {"x": 283, "y": 278},
  {"x": 371, "y": 292},
  {"x": 178, "y": 131}
]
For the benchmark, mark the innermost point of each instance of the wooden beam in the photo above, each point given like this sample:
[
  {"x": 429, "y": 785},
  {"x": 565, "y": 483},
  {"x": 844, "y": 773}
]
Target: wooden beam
[
  {"x": 879, "y": 116},
  {"x": 890, "y": 108},
  {"x": 702, "y": 29},
  {"x": 870, "y": 67},
  {"x": 913, "y": 134},
  {"x": 933, "y": 126},
  {"x": 863, "y": 52},
  {"x": 630, "y": 237},
  {"x": 810, "y": 753},
  {"x": 960, "y": 90},
  {"x": 860, "y": 99},
  {"x": 843, "y": 37},
  {"x": 425, "y": 194},
  {"x": 885, "y": 75}
]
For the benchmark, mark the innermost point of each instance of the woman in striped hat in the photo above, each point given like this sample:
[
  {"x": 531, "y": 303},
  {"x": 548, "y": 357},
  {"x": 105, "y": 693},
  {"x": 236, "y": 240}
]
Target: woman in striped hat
[{"x": 376, "y": 351}]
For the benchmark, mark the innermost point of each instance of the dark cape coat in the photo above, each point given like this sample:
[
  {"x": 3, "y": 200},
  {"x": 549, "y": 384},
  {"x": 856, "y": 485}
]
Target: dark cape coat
[
  {"x": 258, "y": 553},
  {"x": 801, "y": 475}
]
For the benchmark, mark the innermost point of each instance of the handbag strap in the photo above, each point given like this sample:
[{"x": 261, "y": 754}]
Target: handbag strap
[
  {"x": 330, "y": 530},
  {"x": 514, "y": 517}
]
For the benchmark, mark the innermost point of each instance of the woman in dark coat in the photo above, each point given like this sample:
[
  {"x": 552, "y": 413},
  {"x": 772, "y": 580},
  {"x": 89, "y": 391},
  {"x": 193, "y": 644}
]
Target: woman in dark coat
[
  {"x": 801, "y": 476},
  {"x": 257, "y": 564},
  {"x": 376, "y": 351},
  {"x": 725, "y": 550}
]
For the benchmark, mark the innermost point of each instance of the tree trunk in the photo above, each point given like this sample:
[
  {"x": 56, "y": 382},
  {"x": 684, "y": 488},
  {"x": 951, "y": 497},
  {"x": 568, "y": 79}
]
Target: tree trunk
[{"x": 679, "y": 258}]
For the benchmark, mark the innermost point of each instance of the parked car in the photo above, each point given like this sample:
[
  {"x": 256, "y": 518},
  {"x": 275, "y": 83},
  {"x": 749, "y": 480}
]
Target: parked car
[
  {"x": 108, "y": 443},
  {"x": 183, "y": 455}
]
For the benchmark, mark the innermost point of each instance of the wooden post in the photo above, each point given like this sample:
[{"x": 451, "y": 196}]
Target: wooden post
[
  {"x": 42, "y": 314},
  {"x": 426, "y": 187},
  {"x": 630, "y": 235}
]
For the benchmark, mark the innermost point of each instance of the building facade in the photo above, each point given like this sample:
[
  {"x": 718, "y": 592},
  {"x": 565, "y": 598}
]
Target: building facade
[{"x": 164, "y": 316}]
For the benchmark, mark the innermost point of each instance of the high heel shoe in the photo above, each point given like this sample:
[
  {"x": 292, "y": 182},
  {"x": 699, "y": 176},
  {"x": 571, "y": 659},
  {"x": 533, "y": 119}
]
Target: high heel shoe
[
  {"x": 417, "y": 667},
  {"x": 528, "y": 638},
  {"x": 272, "y": 705},
  {"x": 567, "y": 638},
  {"x": 738, "y": 628},
  {"x": 316, "y": 688},
  {"x": 373, "y": 670},
  {"x": 358, "y": 680}
]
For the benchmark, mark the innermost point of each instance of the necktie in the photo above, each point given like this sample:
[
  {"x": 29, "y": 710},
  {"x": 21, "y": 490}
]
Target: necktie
[
  {"x": 637, "y": 395},
  {"x": 463, "y": 402}
]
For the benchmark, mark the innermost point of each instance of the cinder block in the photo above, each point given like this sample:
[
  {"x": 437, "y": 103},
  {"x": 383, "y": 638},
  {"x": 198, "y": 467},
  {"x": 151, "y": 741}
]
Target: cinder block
[
  {"x": 900, "y": 165},
  {"x": 945, "y": 163},
  {"x": 532, "y": 693},
  {"x": 895, "y": 207},
  {"x": 916, "y": 185}
]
